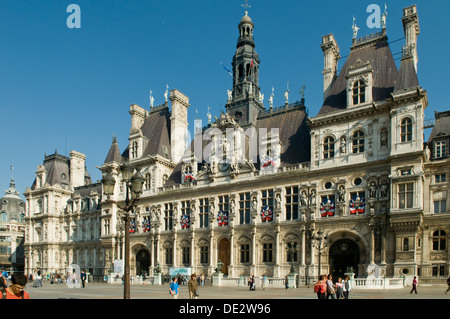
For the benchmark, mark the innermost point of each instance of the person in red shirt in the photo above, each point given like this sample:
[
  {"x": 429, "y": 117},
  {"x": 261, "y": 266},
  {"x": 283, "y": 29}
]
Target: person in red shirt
[{"x": 16, "y": 289}]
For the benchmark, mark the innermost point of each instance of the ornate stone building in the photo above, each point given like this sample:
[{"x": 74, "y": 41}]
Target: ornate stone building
[
  {"x": 12, "y": 229},
  {"x": 255, "y": 186},
  {"x": 63, "y": 217}
]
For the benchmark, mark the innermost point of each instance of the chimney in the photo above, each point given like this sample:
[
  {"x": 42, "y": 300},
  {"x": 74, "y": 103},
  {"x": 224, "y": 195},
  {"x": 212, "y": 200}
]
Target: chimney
[
  {"x": 331, "y": 57},
  {"x": 77, "y": 168},
  {"x": 410, "y": 21},
  {"x": 178, "y": 125}
]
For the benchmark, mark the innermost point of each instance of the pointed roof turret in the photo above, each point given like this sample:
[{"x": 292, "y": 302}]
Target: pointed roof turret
[{"x": 114, "y": 152}]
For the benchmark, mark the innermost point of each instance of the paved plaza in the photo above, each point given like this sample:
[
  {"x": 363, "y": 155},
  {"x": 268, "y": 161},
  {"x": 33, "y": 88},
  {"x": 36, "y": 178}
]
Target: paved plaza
[{"x": 115, "y": 291}]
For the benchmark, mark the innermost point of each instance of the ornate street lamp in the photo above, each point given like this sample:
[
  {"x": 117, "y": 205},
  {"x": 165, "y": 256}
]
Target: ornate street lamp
[
  {"x": 134, "y": 183},
  {"x": 291, "y": 249},
  {"x": 319, "y": 242}
]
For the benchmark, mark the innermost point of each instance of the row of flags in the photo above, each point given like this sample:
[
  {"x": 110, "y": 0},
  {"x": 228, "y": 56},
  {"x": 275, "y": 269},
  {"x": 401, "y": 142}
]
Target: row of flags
[{"x": 327, "y": 208}]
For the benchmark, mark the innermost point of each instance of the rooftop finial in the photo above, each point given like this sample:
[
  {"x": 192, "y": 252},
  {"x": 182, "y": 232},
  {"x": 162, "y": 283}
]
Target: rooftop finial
[{"x": 12, "y": 175}]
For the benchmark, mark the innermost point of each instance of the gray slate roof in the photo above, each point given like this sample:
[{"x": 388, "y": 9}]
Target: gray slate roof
[{"x": 385, "y": 73}]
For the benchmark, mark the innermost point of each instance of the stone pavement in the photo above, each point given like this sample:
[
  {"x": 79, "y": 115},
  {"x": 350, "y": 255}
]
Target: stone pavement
[{"x": 108, "y": 291}]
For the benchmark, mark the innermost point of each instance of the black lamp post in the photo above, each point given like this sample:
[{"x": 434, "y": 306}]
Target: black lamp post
[
  {"x": 291, "y": 249},
  {"x": 320, "y": 242},
  {"x": 134, "y": 182}
]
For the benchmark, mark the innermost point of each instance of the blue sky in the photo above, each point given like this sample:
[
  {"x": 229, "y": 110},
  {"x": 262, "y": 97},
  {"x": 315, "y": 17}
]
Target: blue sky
[{"x": 70, "y": 89}]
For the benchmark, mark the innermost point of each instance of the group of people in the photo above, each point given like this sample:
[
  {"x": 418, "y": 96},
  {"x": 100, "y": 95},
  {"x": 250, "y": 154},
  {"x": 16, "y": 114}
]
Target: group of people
[
  {"x": 192, "y": 287},
  {"x": 325, "y": 288}
]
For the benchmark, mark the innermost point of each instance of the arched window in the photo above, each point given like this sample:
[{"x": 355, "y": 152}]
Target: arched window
[
  {"x": 405, "y": 244},
  {"x": 3, "y": 217},
  {"x": 147, "y": 183},
  {"x": 439, "y": 240},
  {"x": 406, "y": 130},
  {"x": 358, "y": 142},
  {"x": 328, "y": 147},
  {"x": 359, "y": 92}
]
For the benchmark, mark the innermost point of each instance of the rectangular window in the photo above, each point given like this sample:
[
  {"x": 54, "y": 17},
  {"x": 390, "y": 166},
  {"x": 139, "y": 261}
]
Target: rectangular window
[
  {"x": 439, "y": 178},
  {"x": 291, "y": 252},
  {"x": 244, "y": 208},
  {"x": 169, "y": 255},
  {"x": 440, "y": 206},
  {"x": 203, "y": 212},
  {"x": 439, "y": 149},
  {"x": 223, "y": 203},
  {"x": 204, "y": 254},
  {"x": 267, "y": 252},
  {"x": 168, "y": 212},
  {"x": 405, "y": 195},
  {"x": 245, "y": 253},
  {"x": 291, "y": 203},
  {"x": 186, "y": 255}
]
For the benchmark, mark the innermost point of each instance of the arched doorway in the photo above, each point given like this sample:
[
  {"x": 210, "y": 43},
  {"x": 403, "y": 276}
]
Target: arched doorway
[
  {"x": 344, "y": 254},
  {"x": 142, "y": 262},
  {"x": 224, "y": 254}
]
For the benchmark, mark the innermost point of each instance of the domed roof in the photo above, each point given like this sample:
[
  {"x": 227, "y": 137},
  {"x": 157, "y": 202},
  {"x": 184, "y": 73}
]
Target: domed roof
[
  {"x": 246, "y": 19},
  {"x": 11, "y": 203}
]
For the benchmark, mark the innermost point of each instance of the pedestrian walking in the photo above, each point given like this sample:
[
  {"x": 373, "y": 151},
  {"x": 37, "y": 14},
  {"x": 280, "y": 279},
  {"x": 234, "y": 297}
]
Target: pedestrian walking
[
  {"x": 347, "y": 287},
  {"x": 339, "y": 289},
  {"x": 320, "y": 287},
  {"x": 173, "y": 289},
  {"x": 448, "y": 284},
  {"x": 193, "y": 287},
  {"x": 202, "y": 279},
  {"x": 83, "y": 278},
  {"x": 331, "y": 288},
  {"x": 16, "y": 289},
  {"x": 414, "y": 285},
  {"x": 263, "y": 282},
  {"x": 252, "y": 283},
  {"x": 38, "y": 280}
]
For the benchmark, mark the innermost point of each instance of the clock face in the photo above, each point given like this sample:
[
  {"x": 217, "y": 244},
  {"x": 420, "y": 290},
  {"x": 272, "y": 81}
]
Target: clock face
[{"x": 223, "y": 166}]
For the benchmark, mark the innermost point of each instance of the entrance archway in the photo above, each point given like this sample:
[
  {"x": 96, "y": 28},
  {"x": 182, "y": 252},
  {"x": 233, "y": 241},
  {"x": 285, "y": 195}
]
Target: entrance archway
[
  {"x": 224, "y": 254},
  {"x": 142, "y": 262},
  {"x": 344, "y": 254}
]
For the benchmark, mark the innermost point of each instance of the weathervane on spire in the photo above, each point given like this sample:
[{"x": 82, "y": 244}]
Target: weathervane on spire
[
  {"x": 246, "y": 5},
  {"x": 12, "y": 175}
]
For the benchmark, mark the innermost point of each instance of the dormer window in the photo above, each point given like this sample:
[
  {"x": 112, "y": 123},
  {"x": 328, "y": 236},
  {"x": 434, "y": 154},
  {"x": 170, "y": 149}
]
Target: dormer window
[
  {"x": 134, "y": 149},
  {"x": 440, "y": 149},
  {"x": 406, "y": 130},
  {"x": 359, "y": 83},
  {"x": 359, "y": 92}
]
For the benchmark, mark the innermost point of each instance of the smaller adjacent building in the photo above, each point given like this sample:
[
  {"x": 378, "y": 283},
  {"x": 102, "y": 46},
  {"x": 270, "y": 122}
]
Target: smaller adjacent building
[{"x": 12, "y": 230}]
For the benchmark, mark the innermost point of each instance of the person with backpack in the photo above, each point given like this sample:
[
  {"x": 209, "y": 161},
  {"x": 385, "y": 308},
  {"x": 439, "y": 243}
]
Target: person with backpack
[
  {"x": 320, "y": 287},
  {"x": 173, "y": 289},
  {"x": 16, "y": 289}
]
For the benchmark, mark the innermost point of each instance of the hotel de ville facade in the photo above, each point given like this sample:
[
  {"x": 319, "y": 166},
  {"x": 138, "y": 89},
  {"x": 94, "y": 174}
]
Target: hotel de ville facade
[{"x": 256, "y": 186}]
